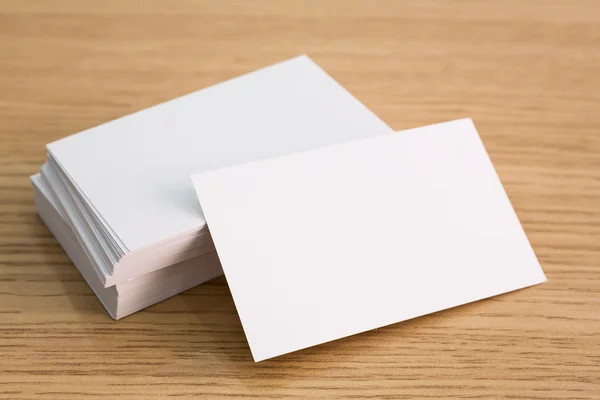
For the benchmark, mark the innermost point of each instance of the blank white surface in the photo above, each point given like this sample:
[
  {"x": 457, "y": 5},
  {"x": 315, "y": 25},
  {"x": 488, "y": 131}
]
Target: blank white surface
[
  {"x": 335, "y": 241},
  {"x": 134, "y": 171}
]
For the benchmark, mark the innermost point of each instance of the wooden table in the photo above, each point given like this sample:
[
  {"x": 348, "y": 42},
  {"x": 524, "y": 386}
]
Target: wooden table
[{"x": 528, "y": 73}]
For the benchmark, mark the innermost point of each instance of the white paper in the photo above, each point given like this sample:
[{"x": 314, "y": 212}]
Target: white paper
[
  {"x": 331, "y": 242},
  {"x": 134, "y": 171}
]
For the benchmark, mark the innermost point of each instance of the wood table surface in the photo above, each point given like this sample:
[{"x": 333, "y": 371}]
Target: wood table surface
[{"x": 527, "y": 72}]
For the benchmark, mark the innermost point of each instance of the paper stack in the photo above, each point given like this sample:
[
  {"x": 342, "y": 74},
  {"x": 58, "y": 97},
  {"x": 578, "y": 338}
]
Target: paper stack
[
  {"x": 324, "y": 221},
  {"x": 119, "y": 196},
  {"x": 131, "y": 295}
]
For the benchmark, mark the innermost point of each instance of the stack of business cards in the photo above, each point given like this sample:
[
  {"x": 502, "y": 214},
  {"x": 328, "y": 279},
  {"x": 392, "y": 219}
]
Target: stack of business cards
[
  {"x": 325, "y": 222},
  {"x": 119, "y": 196}
]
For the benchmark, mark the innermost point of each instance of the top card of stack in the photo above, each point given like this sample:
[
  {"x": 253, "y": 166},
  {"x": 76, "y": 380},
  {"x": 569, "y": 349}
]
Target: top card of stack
[{"x": 125, "y": 186}]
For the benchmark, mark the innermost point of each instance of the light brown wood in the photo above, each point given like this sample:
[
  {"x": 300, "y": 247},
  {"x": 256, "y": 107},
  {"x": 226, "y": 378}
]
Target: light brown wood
[{"x": 528, "y": 73}]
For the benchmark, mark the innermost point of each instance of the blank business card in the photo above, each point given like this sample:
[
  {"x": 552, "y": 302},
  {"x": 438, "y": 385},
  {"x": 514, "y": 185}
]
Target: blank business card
[{"x": 330, "y": 242}]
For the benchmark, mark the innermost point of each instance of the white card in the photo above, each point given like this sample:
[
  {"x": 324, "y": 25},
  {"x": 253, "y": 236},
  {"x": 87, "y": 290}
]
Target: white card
[
  {"x": 134, "y": 171},
  {"x": 339, "y": 240}
]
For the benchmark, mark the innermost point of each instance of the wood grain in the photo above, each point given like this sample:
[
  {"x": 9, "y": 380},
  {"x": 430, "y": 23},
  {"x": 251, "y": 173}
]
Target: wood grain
[{"x": 528, "y": 73}]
